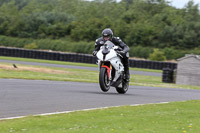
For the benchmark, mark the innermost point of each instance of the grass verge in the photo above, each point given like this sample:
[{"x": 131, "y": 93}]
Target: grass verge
[
  {"x": 76, "y": 75},
  {"x": 175, "y": 117},
  {"x": 46, "y": 73},
  {"x": 67, "y": 63}
]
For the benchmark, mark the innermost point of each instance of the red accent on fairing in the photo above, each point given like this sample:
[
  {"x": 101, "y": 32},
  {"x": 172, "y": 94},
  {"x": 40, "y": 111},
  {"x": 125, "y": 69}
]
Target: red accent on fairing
[{"x": 108, "y": 70}]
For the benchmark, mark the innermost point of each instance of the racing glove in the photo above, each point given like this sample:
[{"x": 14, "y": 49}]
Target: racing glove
[
  {"x": 121, "y": 52},
  {"x": 94, "y": 53}
]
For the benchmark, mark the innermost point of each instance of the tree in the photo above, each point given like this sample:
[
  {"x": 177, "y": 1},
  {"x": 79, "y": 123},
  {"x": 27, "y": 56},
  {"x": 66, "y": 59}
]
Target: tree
[{"x": 157, "y": 55}]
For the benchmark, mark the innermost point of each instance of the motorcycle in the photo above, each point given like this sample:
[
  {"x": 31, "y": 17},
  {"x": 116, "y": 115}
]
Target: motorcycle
[{"x": 111, "y": 69}]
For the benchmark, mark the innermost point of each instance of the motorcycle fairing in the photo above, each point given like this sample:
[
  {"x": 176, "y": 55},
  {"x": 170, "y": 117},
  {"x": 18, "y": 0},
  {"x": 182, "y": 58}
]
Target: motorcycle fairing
[{"x": 118, "y": 67}]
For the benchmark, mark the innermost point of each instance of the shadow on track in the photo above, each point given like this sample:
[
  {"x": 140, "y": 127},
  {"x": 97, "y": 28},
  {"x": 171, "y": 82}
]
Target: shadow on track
[{"x": 103, "y": 93}]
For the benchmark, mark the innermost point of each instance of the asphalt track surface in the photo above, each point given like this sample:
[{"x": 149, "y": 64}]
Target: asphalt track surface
[
  {"x": 76, "y": 67},
  {"x": 20, "y": 97}
]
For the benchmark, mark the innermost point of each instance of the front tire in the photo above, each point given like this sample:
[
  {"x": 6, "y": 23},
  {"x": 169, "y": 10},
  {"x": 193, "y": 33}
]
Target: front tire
[
  {"x": 104, "y": 80},
  {"x": 124, "y": 88}
]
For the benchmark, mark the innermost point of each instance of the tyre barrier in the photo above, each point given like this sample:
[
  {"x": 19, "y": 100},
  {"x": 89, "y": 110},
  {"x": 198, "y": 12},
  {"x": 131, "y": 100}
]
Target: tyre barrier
[
  {"x": 158, "y": 65},
  {"x": 48, "y": 55},
  {"x": 167, "y": 67},
  {"x": 168, "y": 75}
]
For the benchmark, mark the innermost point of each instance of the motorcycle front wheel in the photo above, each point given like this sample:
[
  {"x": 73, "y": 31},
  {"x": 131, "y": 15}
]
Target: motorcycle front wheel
[
  {"x": 124, "y": 88},
  {"x": 104, "y": 80}
]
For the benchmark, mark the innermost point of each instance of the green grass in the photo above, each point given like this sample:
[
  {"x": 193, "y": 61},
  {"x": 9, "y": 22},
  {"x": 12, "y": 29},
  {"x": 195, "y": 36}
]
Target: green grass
[
  {"x": 68, "y": 63},
  {"x": 47, "y": 61},
  {"x": 78, "y": 75},
  {"x": 141, "y": 80},
  {"x": 175, "y": 117}
]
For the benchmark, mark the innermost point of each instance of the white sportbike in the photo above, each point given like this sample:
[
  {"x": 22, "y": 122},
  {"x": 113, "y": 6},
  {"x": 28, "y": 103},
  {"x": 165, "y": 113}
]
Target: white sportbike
[{"x": 111, "y": 69}]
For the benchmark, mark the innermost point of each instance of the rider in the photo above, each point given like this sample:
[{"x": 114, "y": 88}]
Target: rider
[{"x": 107, "y": 34}]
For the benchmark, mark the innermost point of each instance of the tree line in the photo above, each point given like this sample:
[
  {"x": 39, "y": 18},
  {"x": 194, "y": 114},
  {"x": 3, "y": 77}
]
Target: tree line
[{"x": 141, "y": 24}]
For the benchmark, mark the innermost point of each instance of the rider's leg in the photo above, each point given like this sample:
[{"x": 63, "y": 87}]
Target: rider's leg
[{"x": 126, "y": 68}]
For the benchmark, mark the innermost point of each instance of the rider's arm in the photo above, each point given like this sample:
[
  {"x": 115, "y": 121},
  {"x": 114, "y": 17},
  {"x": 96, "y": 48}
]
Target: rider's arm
[
  {"x": 121, "y": 44},
  {"x": 99, "y": 42},
  {"x": 97, "y": 47}
]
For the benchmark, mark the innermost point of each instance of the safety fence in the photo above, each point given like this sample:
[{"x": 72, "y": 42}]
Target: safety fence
[{"x": 84, "y": 58}]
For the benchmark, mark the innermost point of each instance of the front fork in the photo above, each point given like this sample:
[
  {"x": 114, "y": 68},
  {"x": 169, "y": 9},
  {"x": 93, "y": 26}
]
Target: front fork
[{"x": 109, "y": 70}]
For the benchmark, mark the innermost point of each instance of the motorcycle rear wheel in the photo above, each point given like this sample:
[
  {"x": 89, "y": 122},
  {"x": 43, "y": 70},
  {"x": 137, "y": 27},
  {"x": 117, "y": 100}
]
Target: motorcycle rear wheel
[
  {"x": 104, "y": 80},
  {"x": 124, "y": 88}
]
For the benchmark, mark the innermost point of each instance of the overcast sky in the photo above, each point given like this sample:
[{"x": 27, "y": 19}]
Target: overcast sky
[
  {"x": 182, "y": 3},
  {"x": 178, "y": 3}
]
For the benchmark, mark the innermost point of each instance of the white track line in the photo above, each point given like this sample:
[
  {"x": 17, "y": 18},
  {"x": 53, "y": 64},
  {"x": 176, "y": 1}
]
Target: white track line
[{"x": 64, "y": 112}]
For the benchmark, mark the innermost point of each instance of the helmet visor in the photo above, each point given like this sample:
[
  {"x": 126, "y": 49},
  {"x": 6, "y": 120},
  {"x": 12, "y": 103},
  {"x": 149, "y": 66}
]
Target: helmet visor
[{"x": 107, "y": 37}]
